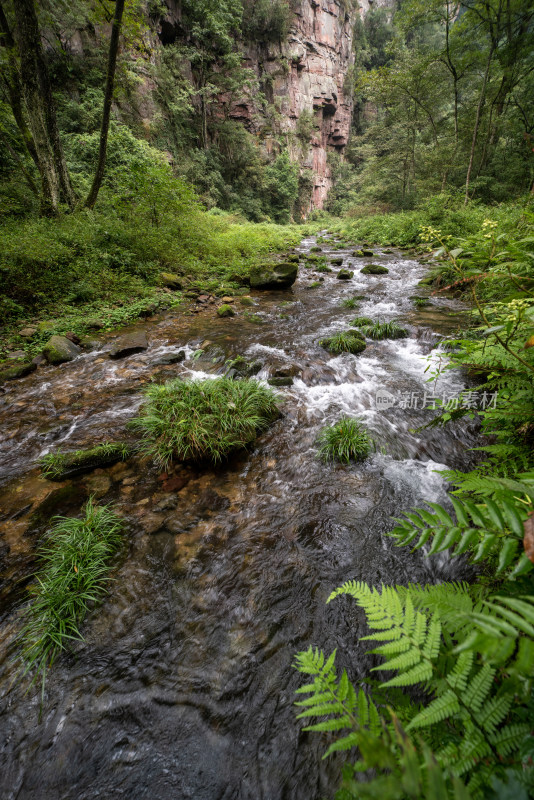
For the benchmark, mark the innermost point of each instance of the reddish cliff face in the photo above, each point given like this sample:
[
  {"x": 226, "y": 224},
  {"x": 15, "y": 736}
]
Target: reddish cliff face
[{"x": 305, "y": 78}]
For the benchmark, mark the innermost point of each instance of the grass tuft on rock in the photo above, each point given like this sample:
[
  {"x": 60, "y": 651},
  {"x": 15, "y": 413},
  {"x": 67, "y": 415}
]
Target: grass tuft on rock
[
  {"x": 59, "y": 465},
  {"x": 350, "y": 342},
  {"x": 384, "y": 330},
  {"x": 75, "y": 560},
  {"x": 203, "y": 420},
  {"x": 345, "y": 441},
  {"x": 359, "y": 321}
]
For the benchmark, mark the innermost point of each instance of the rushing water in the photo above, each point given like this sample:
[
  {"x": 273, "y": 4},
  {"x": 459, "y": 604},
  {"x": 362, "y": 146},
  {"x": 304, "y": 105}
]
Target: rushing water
[{"x": 183, "y": 687}]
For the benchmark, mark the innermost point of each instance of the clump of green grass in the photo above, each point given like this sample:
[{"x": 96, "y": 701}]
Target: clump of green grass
[
  {"x": 384, "y": 330},
  {"x": 203, "y": 420},
  {"x": 59, "y": 465},
  {"x": 359, "y": 321},
  {"x": 350, "y": 302},
  {"x": 421, "y": 302},
  {"x": 345, "y": 441},
  {"x": 75, "y": 559},
  {"x": 349, "y": 342}
]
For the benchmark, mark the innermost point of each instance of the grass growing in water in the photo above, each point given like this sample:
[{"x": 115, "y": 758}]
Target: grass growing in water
[
  {"x": 345, "y": 441},
  {"x": 350, "y": 342},
  {"x": 203, "y": 420},
  {"x": 384, "y": 330},
  {"x": 58, "y": 465},
  {"x": 75, "y": 560},
  {"x": 359, "y": 321}
]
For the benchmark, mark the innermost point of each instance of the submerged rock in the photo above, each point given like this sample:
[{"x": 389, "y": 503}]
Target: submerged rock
[
  {"x": 58, "y": 466},
  {"x": 59, "y": 349},
  {"x": 274, "y": 276},
  {"x": 128, "y": 344},
  {"x": 374, "y": 269}
]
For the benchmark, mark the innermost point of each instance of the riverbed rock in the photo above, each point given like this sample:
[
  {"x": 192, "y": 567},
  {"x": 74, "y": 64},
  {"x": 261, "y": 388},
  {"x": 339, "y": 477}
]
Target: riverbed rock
[
  {"x": 16, "y": 354},
  {"x": 17, "y": 371},
  {"x": 28, "y": 333},
  {"x": 98, "y": 485},
  {"x": 337, "y": 262},
  {"x": 171, "y": 280},
  {"x": 58, "y": 466},
  {"x": 59, "y": 349},
  {"x": 274, "y": 276},
  {"x": 367, "y": 253},
  {"x": 344, "y": 274},
  {"x": 128, "y": 344},
  {"x": 280, "y": 381},
  {"x": 225, "y": 311},
  {"x": 170, "y": 358},
  {"x": 374, "y": 269},
  {"x": 246, "y": 301}
]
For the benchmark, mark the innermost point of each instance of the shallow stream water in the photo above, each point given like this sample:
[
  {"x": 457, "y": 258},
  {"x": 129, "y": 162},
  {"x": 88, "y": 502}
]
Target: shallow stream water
[{"x": 183, "y": 687}]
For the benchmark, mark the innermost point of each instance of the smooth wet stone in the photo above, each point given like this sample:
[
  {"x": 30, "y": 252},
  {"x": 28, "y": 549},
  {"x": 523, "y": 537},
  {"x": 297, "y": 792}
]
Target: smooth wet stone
[
  {"x": 171, "y": 280},
  {"x": 374, "y": 269},
  {"x": 170, "y": 358},
  {"x": 128, "y": 344},
  {"x": 17, "y": 371},
  {"x": 98, "y": 485},
  {"x": 280, "y": 381},
  {"x": 59, "y": 349},
  {"x": 274, "y": 276},
  {"x": 344, "y": 274},
  {"x": 225, "y": 311}
]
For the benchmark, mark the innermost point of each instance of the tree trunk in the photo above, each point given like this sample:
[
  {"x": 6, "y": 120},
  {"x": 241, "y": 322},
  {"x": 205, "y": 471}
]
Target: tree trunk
[
  {"x": 11, "y": 80},
  {"x": 108, "y": 99},
  {"x": 40, "y": 106},
  {"x": 477, "y": 125}
]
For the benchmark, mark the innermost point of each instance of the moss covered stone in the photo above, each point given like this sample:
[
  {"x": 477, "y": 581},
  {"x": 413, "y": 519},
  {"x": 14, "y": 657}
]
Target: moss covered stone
[
  {"x": 17, "y": 371},
  {"x": 344, "y": 274},
  {"x": 58, "y": 466},
  {"x": 225, "y": 311},
  {"x": 171, "y": 280},
  {"x": 274, "y": 276},
  {"x": 374, "y": 269},
  {"x": 59, "y": 349}
]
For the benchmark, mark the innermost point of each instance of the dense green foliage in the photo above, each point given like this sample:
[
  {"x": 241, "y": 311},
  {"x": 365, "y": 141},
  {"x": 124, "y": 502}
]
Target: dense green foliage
[
  {"x": 441, "y": 104},
  {"x": 203, "y": 420},
  {"x": 345, "y": 441},
  {"x": 75, "y": 561}
]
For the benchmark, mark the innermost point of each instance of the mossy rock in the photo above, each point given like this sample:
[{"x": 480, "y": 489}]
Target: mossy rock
[
  {"x": 367, "y": 253},
  {"x": 357, "y": 253},
  {"x": 313, "y": 285},
  {"x": 344, "y": 275},
  {"x": 171, "y": 280},
  {"x": 313, "y": 259},
  {"x": 374, "y": 269},
  {"x": 357, "y": 333},
  {"x": 323, "y": 268},
  {"x": 247, "y": 301},
  {"x": 337, "y": 262},
  {"x": 239, "y": 367},
  {"x": 316, "y": 249},
  {"x": 47, "y": 326},
  {"x": 293, "y": 258},
  {"x": 59, "y": 466},
  {"x": 17, "y": 371},
  {"x": 274, "y": 276},
  {"x": 225, "y": 311},
  {"x": 59, "y": 349},
  {"x": 255, "y": 318}
]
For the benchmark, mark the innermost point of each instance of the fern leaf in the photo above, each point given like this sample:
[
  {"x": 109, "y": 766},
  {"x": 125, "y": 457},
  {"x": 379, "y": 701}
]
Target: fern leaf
[
  {"x": 478, "y": 689},
  {"x": 439, "y": 709}
]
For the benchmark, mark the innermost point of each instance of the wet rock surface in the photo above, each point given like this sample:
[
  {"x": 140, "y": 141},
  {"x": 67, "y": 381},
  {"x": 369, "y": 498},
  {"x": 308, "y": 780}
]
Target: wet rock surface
[
  {"x": 129, "y": 344},
  {"x": 60, "y": 349}
]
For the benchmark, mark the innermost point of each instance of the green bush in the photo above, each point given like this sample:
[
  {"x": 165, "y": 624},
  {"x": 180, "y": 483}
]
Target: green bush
[
  {"x": 203, "y": 420},
  {"x": 75, "y": 559},
  {"x": 345, "y": 441}
]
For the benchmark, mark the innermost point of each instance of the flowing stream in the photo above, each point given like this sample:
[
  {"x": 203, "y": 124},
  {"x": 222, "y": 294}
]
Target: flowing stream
[{"x": 183, "y": 687}]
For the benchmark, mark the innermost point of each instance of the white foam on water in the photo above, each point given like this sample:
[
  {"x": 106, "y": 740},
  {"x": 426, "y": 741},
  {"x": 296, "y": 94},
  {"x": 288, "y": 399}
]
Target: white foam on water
[{"x": 422, "y": 478}]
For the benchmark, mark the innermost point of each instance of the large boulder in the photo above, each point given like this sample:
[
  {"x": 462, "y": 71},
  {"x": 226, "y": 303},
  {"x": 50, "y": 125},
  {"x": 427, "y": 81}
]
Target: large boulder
[
  {"x": 128, "y": 344},
  {"x": 274, "y": 276},
  {"x": 59, "y": 349}
]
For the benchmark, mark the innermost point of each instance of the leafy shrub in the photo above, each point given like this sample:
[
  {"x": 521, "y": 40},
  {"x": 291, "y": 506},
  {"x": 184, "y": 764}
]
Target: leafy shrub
[
  {"x": 384, "y": 330},
  {"x": 345, "y": 441},
  {"x": 350, "y": 342},
  {"x": 203, "y": 420},
  {"x": 75, "y": 559}
]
